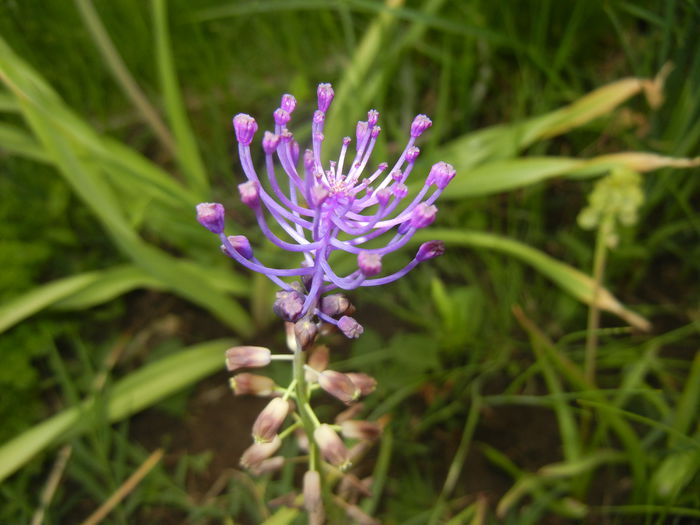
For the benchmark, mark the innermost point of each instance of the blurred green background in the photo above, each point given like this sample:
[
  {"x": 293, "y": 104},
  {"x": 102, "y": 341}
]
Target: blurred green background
[{"x": 116, "y": 306}]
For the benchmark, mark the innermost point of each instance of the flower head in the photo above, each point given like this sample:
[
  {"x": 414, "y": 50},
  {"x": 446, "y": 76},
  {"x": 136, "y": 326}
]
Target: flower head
[{"x": 323, "y": 207}]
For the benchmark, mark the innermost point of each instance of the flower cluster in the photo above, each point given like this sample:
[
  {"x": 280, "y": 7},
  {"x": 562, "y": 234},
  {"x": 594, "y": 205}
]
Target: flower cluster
[
  {"x": 321, "y": 210},
  {"x": 325, "y": 209}
]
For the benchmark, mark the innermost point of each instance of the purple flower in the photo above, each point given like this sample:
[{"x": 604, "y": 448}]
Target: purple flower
[{"x": 340, "y": 205}]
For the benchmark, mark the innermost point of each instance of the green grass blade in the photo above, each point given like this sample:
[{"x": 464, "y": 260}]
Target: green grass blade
[
  {"x": 569, "y": 279},
  {"x": 139, "y": 390},
  {"x": 187, "y": 151},
  {"x": 16, "y": 141}
]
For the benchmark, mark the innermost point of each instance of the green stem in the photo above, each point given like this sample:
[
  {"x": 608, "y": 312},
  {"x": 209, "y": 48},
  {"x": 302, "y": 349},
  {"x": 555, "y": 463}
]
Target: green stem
[
  {"x": 302, "y": 395},
  {"x": 599, "y": 258}
]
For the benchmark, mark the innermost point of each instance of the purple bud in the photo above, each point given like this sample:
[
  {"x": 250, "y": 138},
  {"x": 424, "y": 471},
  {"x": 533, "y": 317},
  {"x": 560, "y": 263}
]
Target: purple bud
[
  {"x": 309, "y": 160},
  {"x": 419, "y": 125},
  {"x": 360, "y": 132},
  {"x": 370, "y": 264},
  {"x": 245, "y": 127},
  {"x": 325, "y": 96},
  {"x": 376, "y": 130},
  {"x": 383, "y": 196},
  {"x": 423, "y": 215},
  {"x": 430, "y": 250},
  {"x": 351, "y": 328},
  {"x": 288, "y": 103},
  {"x": 335, "y": 304},
  {"x": 247, "y": 357},
  {"x": 332, "y": 447},
  {"x": 400, "y": 190},
  {"x": 338, "y": 385},
  {"x": 319, "y": 194},
  {"x": 288, "y": 305},
  {"x": 258, "y": 452},
  {"x": 346, "y": 141},
  {"x": 270, "y": 420},
  {"x": 294, "y": 151},
  {"x": 241, "y": 244},
  {"x": 319, "y": 117},
  {"x": 281, "y": 117},
  {"x": 364, "y": 382},
  {"x": 211, "y": 216},
  {"x": 286, "y": 135},
  {"x": 396, "y": 175},
  {"x": 252, "y": 384},
  {"x": 382, "y": 166},
  {"x": 372, "y": 117},
  {"x": 250, "y": 193},
  {"x": 441, "y": 174},
  {"x": 318, "y": 137},
  {"x": 270, "y": 142},
  {"x": 412, "y": 154},
  {"x": 305, "y": 331}
]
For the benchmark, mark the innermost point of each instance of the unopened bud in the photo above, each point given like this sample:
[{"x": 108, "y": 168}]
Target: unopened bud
[
  {"x": 372, "y": 117},
  {"x": 338, "y": 385},
  {"x": 250, "y": 193},
  {"x": 288, "y": 103},
  {"x": 268, "y": 466},
  {"x": 441, "y": 174},
  {"x": 360, "y": 132},
  {"x": 245, "y": 128},
  {"x": 252, "y": 384},
  {"x": 370, "y": 264},
  {"x": 258, "y": 452},
  {"x": 356, "y": 429},
  {"x": 305, "y": 331},
  {"x": 423, "y": 215},
  {"x": 430, "y": 250},
  {"x": 247, "y": 357},
  {"x": 281, "y": 117},
  {"x": 332, "y": 447},
  {"x": 325, "y": 96},
  {"x": 270, "y": 420},
  {"x": 412, "y": 154},
  {"x": 288, "y": 305},
  {"x": 211, "y": 216},
  {"x": 364, "y": 382},
  {"x": 350, "y": 328},
  {"x": 335, "y": 304},
  {"x": 383, "y": 196},
  {"x": 400, "y": 190},
  {"x": 294, "y": 151},
  {"x": 318, "y": 360},
  {"x": 312, "y": 491},
  {"x": 241, "y": 244},
  {"x": 270, "y": 142},
  {"x": 419, "y": 125}
]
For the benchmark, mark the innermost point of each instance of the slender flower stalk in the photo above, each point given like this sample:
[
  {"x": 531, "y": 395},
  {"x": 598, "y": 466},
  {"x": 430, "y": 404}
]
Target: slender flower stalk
[{"x": 312, "y": 207}]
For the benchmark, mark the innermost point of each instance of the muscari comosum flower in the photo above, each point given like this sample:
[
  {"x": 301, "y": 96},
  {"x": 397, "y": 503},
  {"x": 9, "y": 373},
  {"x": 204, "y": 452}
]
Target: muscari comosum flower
[{"x": 323, "y": 209}]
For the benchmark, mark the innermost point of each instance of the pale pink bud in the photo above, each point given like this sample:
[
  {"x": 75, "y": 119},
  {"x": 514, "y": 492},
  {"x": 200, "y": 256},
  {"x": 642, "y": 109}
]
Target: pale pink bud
[
  {"x": 305, "y": 331},
  {"x": 335, "y": 304},
  {"x": 318, "y": 360},
  {"x": 356, "y": 429},
  {"x": 258, "y": 452},
  {"x": 247, "y": 357},
  {"x": 338, "y": 385},
  {"x": 312, "y": 491},
  {"x": 252, "y": 384},
  {"x": 270, "y": 420},
  {"x": 268, "y": 466},
  {"x": 349, "y": 413},
  {"x": 365, "y": 383},
  {"x": 250, "y": 193},
  {"x": 332, "y": 447}
]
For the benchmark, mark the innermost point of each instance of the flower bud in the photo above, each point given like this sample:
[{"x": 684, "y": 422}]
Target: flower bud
[
  {"x": 383, "y": 196},
  {"x": 313, "y": 502},
  {"x": 319, "y": 117},
  {"x": 360, "y": 132},
  {"x": 305, "y": 331},
  {"x": 351, "y": 328},
  {"x": 241, "y": 244},
  {"x": 356, "y": 429},
  {"x": 372, "y": 117},
  {"x": 335, "y": 304},
  {"x": 294, "y": 151},
  {"x": 376, "y": 130},
  {"x": 255, "y": 454},
  {"x": 247, "y": 357},
  {"x": 252, "y": 384},
  {"x": 325, "y": 96},
  {"x": 288, "y": 305},
  {"x": 338, "y": 385},
  {"x": 270, "y": 142},
  {"x": 441, "y": 174},
  {"x": 211, "y": 216},
  {"x": 267, "y": 466},
  {"x": 423, "y": 215},
  {"x": 245, "y": 128},
  {"x": 281, "y": 117},
  {"x": 318, "y": 360},
  {"x": 332, "y": 447},
  {"x": 419, "y": 125},
  {"x": 250, "y": 193},
  {"x": 370, "y": 264},
  {"x": 430, "y": 250},
  {"x": 270, "y": 420},
  {"x": 364, "y": 382},
  {"x": 400, "y": 190},
  {"x": 412, "y": 154},
  {"x": 288, "y": 103}
]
